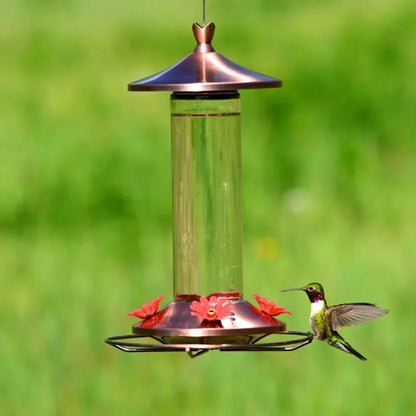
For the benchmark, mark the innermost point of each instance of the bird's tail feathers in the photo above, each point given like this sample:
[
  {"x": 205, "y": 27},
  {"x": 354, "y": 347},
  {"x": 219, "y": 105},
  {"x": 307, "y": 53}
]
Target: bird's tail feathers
[{"x": 344, "y": 346}]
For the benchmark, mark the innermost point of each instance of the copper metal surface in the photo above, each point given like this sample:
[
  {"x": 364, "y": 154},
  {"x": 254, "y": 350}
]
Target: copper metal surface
[
  {"x": 204, "y": 70},
  {"x": 176, "y": 324},
  {"x": 175, "y": 329}
]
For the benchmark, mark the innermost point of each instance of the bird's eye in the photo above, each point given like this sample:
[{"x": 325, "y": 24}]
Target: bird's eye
[{"x": 310, "y": 288}]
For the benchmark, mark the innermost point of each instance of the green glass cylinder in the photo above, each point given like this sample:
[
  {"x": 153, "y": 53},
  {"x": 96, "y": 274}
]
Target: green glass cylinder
[{"x": 207, "y": 207}]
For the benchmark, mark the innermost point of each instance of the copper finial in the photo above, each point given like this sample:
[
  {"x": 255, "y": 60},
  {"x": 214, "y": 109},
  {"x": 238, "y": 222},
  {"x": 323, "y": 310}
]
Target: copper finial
[
  {"x": 204, "y": 70},
  {"x": 203, "y": 37}
]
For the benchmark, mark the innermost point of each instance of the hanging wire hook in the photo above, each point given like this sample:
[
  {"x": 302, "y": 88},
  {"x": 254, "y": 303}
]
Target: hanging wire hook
[{"x": 203, "y": 13}]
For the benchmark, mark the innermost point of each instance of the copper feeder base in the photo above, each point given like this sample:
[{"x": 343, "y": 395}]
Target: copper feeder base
[{"x": 175, "y": 329}]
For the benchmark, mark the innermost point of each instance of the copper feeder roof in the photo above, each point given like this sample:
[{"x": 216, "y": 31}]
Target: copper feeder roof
[{"x": 204, "y": 70}]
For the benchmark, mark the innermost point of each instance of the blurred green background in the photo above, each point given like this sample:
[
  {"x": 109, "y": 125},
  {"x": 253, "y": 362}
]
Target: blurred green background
[{"x": 329, "y": 180}]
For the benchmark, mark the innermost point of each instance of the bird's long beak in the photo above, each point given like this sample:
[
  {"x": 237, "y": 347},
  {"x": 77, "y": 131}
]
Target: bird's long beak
[{"x": 292, "y": 290}]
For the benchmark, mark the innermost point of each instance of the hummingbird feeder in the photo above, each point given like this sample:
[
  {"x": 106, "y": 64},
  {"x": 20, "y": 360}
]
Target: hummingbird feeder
[{"x": 208, "y": 311}]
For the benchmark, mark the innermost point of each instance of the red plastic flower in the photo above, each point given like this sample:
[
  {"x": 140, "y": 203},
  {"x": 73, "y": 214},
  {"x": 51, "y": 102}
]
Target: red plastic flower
[
  {"x": 147, "y": 310},
  {"x": 269, "y": 307},
  {"x": 213, "y": 309}
]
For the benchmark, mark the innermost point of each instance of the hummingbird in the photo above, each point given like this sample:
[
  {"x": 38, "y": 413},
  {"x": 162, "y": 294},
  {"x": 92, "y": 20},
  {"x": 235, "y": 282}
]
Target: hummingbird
[{"x": 326, "y": 320}]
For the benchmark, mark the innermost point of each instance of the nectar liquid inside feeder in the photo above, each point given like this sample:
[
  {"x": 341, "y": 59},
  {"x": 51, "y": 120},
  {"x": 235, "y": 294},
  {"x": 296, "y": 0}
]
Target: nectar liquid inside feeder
[{"x": 207, "y": 213}]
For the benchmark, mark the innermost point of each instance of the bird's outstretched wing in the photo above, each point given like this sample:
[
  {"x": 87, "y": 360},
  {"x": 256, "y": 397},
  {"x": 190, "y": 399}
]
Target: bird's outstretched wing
[{"x": 348, "y": 314}]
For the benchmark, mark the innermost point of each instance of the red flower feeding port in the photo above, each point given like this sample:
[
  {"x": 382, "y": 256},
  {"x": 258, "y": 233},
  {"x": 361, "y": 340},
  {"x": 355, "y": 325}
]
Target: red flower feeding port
[
  {"x": 147, "y": 310},
  {"x": 208, "y": 311},
  {"x": 269, "y": 307},
  {"x": 212, "y": 309}
]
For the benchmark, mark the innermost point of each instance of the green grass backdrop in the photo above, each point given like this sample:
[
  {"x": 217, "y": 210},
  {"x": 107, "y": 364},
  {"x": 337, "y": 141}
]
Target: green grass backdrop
[{"x": 329, "y": 189}]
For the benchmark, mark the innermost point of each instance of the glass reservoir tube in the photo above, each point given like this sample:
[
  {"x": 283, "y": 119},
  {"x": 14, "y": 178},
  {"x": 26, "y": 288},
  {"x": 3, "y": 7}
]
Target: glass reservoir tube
[{"x": 206, "y": 195}]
